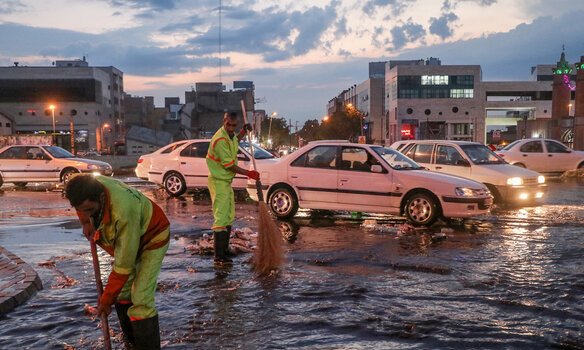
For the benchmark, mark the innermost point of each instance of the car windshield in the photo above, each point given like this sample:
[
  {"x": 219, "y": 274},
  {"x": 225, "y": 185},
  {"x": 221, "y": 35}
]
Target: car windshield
[
  {"x": 481, "y": 154},
  {"x": 395, "y": 159},
  {"x": 258, "y": 152},
  {"x": 58, "y": 152}
]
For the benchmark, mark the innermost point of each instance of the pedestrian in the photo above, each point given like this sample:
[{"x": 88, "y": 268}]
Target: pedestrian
[
  {"x": 135, "y": 231},
  {"x": 222, "y": 164}
]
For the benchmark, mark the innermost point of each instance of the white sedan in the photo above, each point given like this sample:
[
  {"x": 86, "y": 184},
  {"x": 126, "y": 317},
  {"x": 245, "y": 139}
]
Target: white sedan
[
  {"x": 542, "y": 155},
  {"x": 21, "y": 164},
  {"x": 145, "y": 160},
  {"x": 182, "y": 166},
  {"x": 337, "y": 175}
]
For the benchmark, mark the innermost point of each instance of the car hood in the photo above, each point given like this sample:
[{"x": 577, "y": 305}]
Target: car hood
[
  {"x": 88, "y": 161},
  {"x": 435, "y": 181},
  {"x": 503, "y": 171}
]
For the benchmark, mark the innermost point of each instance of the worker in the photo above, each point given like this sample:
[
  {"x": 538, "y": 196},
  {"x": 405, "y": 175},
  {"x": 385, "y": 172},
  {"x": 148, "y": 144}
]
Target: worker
[
  {"x": 222, "y": 164},
  {"x": 135, "y": 231}
]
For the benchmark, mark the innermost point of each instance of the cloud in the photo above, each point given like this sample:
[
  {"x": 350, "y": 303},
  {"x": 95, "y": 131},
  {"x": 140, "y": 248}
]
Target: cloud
[
  {"x": 406, "y": 33},
  {"x": 11, "y": 6},
  {"x": 397, "y": 6},
  {"x": 442, "y": 26}
]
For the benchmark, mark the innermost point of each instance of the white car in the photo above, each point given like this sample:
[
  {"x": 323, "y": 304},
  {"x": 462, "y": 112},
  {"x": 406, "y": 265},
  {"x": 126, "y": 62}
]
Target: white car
[
  {"x": 337, "y": 175},
  {"x": 543, "y": 155},
  {"x": 184, "y": 167},
  {"x": 508, "y": 184},
  {"x": 20, "y": 164},
  {"x": 145, "y": 160}
]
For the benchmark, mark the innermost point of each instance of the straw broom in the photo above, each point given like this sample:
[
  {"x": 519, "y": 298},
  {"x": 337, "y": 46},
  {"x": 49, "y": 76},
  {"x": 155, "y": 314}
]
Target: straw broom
[{"x": 269, "y": 254}]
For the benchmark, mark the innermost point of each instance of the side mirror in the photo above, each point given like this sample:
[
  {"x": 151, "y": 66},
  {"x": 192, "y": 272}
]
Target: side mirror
[
  {"x": 376, "y": 169},
  {"x": 463, "y": 162}
]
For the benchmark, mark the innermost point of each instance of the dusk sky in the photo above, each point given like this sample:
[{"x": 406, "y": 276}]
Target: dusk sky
[{"x": 299, "y": 54}]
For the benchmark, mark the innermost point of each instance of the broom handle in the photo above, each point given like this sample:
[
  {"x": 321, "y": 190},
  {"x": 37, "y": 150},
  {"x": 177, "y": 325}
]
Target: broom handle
[
  {"x": 258, "y": 183},
  {"x": 104, "y": 324}
]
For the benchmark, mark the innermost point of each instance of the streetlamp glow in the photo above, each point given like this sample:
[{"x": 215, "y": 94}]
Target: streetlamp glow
[
  {"x": 274, "y": 114},
  {"x": 52, "y": 108},
  {"x": 359, "y": 114}
]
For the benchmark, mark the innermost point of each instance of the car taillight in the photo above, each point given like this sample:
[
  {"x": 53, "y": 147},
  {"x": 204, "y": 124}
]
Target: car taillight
[{"x": 140, "y": 160}]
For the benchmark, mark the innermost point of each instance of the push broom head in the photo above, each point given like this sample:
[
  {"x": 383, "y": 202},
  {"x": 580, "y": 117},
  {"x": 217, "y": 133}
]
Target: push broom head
[{"x": 269, "y": 253}]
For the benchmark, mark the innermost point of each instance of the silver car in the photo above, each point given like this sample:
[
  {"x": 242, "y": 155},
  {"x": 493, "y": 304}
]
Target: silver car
[{"x": 20, "y": 164}]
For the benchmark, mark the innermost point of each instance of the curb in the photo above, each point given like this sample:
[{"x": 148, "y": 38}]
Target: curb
[{"x": 18, "y": 281}]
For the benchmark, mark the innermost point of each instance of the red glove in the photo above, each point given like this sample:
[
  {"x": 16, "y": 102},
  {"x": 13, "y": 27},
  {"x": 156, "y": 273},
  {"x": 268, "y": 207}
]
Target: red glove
[{"x": 252, "y": 174}]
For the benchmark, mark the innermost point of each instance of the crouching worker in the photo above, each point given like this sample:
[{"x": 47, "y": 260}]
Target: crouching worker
[{"x": 135, "y": 231}]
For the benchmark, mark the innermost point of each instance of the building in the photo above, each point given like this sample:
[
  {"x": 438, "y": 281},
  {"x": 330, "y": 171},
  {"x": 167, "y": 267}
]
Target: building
[
  {"x": 6, "y": 125},
  {"x": 70, "y": 99},
  {"x": 140, "y": 140}
]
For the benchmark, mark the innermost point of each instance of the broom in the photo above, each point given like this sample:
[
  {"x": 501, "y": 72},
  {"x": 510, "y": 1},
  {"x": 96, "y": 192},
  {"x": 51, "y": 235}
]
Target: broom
[
  {"x": 269, "y": 253},
  {"x": 104, "y": 324}
]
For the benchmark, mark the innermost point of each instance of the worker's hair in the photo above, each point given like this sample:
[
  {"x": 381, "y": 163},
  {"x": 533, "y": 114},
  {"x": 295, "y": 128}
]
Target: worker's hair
[
  {"x": 83, "y": 187},
  {"x": 231, "y": 115}
]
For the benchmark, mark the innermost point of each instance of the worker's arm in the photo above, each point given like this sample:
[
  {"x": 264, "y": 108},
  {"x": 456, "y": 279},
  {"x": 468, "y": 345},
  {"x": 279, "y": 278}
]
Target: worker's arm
[
  {"x": 246, "y": 127},
  {"x": 249, "y": 173}
]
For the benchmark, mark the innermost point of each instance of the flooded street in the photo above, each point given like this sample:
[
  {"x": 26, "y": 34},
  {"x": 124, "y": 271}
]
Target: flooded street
[{"x": 510, "y": 280}]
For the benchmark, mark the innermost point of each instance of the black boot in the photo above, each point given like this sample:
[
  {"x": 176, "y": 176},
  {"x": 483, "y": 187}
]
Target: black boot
[
  {"x": 147, "y": 333},
  {"x": 228, "y": 252},
  {"x": 221, "y": 244},
  {"x": 125, "y": 324}
]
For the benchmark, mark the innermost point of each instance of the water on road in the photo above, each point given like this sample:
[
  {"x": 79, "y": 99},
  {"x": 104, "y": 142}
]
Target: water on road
[{"x": 510, "y": 280}]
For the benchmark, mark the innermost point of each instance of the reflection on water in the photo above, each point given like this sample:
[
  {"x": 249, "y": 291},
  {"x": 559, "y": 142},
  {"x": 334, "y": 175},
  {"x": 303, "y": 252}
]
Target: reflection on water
[{"x": 511, "y": 280}]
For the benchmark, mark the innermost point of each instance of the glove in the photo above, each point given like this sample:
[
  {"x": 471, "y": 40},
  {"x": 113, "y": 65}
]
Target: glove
[
  {"x": 252, "y": 174},
  {"x": 247, "y": 127}
]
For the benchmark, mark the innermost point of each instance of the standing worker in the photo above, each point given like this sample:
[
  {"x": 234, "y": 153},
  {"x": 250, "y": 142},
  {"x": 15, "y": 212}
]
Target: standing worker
[
  {"x": 222, "y": 164},
  {"x": 135, "y": 231}
]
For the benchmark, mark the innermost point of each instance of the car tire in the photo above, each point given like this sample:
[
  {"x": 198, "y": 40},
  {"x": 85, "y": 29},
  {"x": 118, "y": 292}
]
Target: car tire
[
  {"x": 175, "y": 184},
  {"x": 67, "y": 175},
  {"x": 20, "y": 184},
  {"x": 283, "y": 203},
  {"x": 1, "y": 181},
  {"x": 580, "y": 166},
  {"x": 421, "y": 209}
]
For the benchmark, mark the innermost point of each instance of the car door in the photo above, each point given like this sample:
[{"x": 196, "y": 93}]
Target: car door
[
  {"x": 357, "y": 184},
  {"x": 40, "y": 165},
  {"x": 531, "y": 155},
  {"x": 559, "y": 157},
  {"x": 13, "y": 164},
  {"x": 192, "y": 164},
  {"x": 314, "y": 174},
  {"x": 449, "y": 160}
]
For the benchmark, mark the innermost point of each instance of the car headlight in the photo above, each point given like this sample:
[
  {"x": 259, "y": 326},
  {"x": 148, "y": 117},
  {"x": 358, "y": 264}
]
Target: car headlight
[
  {"x": 541, "y": 179},
  {"x": 514, "y": 181},
  {"x": 92, "y": 167},
  {"x": 464, "y": 192}
]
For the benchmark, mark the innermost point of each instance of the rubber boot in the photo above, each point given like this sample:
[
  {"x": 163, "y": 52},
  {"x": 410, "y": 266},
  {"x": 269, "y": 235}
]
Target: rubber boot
[
  {"x": 228, "y": 252},
  {"x": 220, "y": 243},
  {"x": 147, "y": 333},
  {"x": 126, "y": 325}
]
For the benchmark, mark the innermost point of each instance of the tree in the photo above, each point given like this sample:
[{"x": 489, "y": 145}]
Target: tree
[
  {"x": 278, "y": 132},
  {"x": 309, "y": 131}
]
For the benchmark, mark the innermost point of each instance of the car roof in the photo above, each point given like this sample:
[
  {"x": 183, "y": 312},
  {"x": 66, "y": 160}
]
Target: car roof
[{"x": 457, "y": 142}]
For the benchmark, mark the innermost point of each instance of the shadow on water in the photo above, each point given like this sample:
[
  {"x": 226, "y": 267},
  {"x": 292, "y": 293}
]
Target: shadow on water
[{"x": 509, "y": 280}]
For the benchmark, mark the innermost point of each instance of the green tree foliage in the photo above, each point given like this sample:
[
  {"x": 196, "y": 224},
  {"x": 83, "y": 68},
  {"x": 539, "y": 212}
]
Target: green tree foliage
[
  {"x": 278, "y": 132},
  {"x": 309, "y": 131},
  {"x": 341, "y": 125}
]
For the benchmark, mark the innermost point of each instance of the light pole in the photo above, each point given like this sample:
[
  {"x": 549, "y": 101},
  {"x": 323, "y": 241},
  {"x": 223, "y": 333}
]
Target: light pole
[
  {"x": 103, "y": 127},
  {"x": 270, "y": 128},
  {"x": 52, "y": 108}
]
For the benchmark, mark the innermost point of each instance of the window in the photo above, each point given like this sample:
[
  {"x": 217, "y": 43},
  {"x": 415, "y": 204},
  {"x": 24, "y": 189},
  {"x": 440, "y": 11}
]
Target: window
[
  {"x": 171, "y": 148},
  {"x": 556, "y": 147},
  {"x": 461, "y": 129},
  {"x": 420, "y": 153},
  {"x": 319, "y": 157},
  {"x": 447, "y": 155},
  {"x": 434, "y": 79},
  {"x": 461, "y": 93},
  {"x": 354, "y": 158},
  {"x": 532, "y": 147},
  {"x": 7, "y": 125},
  {"x": 196, "y": 150},
  {"x": 14, "y": 153}
]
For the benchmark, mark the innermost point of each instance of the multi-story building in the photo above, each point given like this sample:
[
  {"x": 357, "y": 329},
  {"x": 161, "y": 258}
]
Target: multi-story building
[
  {"x": 70, "y": 99},
  {"x": 423, "y": 99}
]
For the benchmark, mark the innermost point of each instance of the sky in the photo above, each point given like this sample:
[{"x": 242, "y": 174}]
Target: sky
[{"x": 299, "y": 53}]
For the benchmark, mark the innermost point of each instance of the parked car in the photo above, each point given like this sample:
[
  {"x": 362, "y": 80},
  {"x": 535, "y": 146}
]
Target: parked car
[
  {"x": 184, "y": 166},
  {"x": 145, "y": 160},
  {"x": 20, "y": 164},
  {"x": 543, "y": 155},
  {"x": 508, "y": 184},
  {"x": 337, "y": 175}
]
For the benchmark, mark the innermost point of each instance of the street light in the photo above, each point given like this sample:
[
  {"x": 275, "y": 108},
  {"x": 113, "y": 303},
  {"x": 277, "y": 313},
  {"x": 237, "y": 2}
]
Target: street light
[
  {"x": 274, "y": 114},
  {"x": 103, "y": 127},
  {"x": 351, "y": 107},
  {"x": 52, "y": 108}
]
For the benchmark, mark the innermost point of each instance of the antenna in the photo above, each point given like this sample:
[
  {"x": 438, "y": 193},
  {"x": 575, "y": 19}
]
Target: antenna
[{"x": 220, "y": 80}]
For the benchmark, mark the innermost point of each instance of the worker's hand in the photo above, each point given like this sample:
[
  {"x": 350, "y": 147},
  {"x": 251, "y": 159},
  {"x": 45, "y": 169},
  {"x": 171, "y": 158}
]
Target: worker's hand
[
  {"x": 252, "y": 174},
  {"x": 88, "y": 231},
  {"x": 104, "y": 309},
  {"x": 247, "y": 127}
]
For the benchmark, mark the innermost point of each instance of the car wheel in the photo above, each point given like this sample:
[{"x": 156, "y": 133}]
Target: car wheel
[
  {"x": 283, "y": 203},
  {"x": 581, "y": 166},
  {"x": 1, "y": 180},
  {"x": 20, "y": 184},
  {"x": 421, "y": 209},
  {"x": 67, "y": 175},
  {"x": 175, "y": 184}
]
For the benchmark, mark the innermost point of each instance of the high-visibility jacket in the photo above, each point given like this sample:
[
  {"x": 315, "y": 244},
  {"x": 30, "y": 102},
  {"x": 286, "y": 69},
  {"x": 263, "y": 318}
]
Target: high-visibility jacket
[
  {"x": 131, "y": 223},
  {"x": 222, "y": 154}
]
